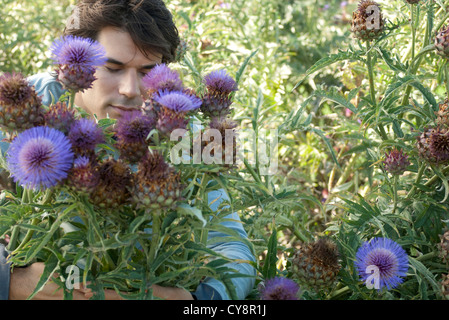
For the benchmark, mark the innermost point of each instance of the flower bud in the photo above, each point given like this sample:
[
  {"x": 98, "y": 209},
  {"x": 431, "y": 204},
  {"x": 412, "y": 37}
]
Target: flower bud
[{"x": 367, "y": 22}]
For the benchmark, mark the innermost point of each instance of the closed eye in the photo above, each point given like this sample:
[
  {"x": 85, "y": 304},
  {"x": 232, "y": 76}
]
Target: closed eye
[{"x": 112, "y": 70}]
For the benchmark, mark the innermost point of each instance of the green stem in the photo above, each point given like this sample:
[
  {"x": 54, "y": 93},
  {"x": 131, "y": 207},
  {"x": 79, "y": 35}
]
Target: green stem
[
  {"x": 72, "y": 100},
  {"x": 395, "y": 193},
  {"x": 299, "y": 234},
  {"x": 155, "y": 236},
  {"x": 446, "y": 72},
  {"x": 339, "y": 292},
  {"x": 416, "y": 61},
  {"x": 427, "y": 256},
  {"x": 26, "y": 198},
  {"x": 418, "y": 179},
  {"x": 370, "y": 74},
  {"x": 45, "y": 199},
  {"x": 435, "y": 177},
  {"x": 28, "y": 236},
  {"x": 369, "y": 64},
  {"x": 348, "y": 170},
  {"x": 13, "y": 239},
  {"x": 412, "y": 24}
]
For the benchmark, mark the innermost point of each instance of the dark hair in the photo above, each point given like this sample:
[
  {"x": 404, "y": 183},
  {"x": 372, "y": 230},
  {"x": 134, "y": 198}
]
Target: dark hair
[{"x": 149, "y": 23}]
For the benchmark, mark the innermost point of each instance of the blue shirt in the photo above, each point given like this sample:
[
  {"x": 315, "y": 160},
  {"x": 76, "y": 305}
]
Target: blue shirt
[{"x": 49, "y": 88}]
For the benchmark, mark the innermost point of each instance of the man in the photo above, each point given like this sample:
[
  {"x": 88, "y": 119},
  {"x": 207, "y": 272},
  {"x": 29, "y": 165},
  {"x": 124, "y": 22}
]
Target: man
[{"x": 136, "y": 35}]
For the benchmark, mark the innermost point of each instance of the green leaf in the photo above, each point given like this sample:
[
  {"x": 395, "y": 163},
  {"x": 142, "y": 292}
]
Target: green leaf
[
  {"x": 422, "y": 270},
  {"x": 242, "y": 68},
  {"x": 394, "y": 64},
  {"x": 185, "y": 209},
  {"x": 327, "y": 61},
  {"x": 440, "y": 175},
  {"x": 35, "y": 249},
  {"x": 328, "y": 144},
  {"x": 269, "y": 268},
  {"x": 51, "y": 265}
]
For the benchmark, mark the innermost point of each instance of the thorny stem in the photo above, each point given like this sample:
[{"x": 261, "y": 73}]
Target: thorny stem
[
  {"x": 338, "y": 292},
  {"x": 299, "y": 234},
  {"x": 155, "y": 235},
  {"x": 72, "y": 99},
  {"x": 416, "y": 61},
  {"x": 395, "y": 193},
  {"x": 412, "y": 24},
  {"x": 446, "y": 72},
  {"x": 429, "y": 182},
  {"x": 26, "y": 197},
  {"x": 426, "y": 256},
  {"x": 369, "y": 64},
  {"x": 45, "y": 199},
  {"x": 418, "y": 178}
]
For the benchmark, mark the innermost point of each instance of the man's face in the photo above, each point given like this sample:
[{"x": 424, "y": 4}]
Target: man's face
[{"x": 119, "y": 82}]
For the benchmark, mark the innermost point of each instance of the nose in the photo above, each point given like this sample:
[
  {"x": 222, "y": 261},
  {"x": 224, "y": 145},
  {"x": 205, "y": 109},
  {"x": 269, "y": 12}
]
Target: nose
[{"x": 130, "y": 84}]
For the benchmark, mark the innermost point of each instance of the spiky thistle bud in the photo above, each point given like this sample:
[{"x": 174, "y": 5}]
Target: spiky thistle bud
[
  {"x": 84, "y": 176},
  {"x": 132, "y": 130},
  {"x": 181, "y": 50},
  {"x": 442, "y": 42},
  {"x": 445, "y": 286},
  {"x": 396, "y": 162},
  {"x": 59, "y": 117},
  {"x": 115, "y": 180},
  {"x": 217, "y": 99},
  {"x": 443, "y": 114},
  {"x": 367, "y": 21},
  {"x": 20, "y": 107},
  {"x": 158, "y": 185},
  {"x": 316, "y": 264},
  {"x": 433, "y": 145},
  {"x": 443, "y": 247}
]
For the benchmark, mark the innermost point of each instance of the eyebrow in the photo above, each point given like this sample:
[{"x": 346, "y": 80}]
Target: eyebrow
[{"x": 119, "y": 63}]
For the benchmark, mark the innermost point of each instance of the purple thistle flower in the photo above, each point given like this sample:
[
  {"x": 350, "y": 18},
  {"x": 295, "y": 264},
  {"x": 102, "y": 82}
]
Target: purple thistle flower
[
  {"x": 219, "y": 82},
  {"x": 279, "y": 288},
  {"x": 387, "y": 257},
  {"x": 72, "y": 50},
  {"x": 132, "y": 130},
  {"x": 77, "y": 59},
  {"x": 162, "y": 77},
  {"x": 218, "y": 99},
  {"x": 178, "y": 101},
  {"x": 134, "y": 126},
  {"x": 40, "y": 157},
  {"x": 84, "y": 135}
]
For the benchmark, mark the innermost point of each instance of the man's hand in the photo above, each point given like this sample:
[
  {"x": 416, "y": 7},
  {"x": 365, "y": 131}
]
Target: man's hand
[
  {"x": 24, "y": 280},
  {"x": 166, "y": 293}
]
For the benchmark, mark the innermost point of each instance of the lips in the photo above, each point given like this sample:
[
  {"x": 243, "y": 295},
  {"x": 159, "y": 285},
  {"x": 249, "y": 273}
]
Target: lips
[{"x": 126, "y": 109}]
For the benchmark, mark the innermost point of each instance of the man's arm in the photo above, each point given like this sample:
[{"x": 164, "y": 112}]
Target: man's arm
[
  {"x": 4, "y": 273},
  {"x": 24, "y": 281},
  {"x": 236, "y": 250}
]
